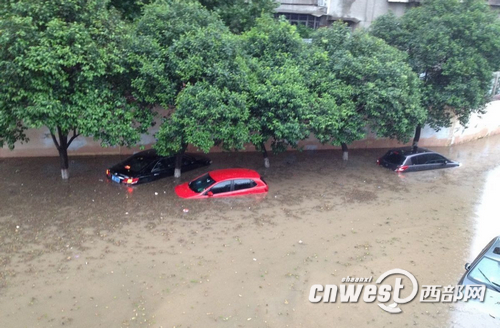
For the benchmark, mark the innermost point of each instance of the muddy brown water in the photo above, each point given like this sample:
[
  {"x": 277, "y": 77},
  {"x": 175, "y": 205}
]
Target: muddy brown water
[{"x": 90, "y": 253}]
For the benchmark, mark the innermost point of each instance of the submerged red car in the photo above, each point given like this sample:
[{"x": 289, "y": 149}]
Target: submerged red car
[{"x": 223, "y": 183}]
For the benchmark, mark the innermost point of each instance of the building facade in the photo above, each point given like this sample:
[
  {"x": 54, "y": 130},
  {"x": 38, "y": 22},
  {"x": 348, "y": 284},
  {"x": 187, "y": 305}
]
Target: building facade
[{"x": 356, "y": 13}]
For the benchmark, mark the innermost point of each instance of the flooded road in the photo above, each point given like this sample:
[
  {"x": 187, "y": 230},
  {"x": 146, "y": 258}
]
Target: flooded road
[{"x": 90, "y": 253}]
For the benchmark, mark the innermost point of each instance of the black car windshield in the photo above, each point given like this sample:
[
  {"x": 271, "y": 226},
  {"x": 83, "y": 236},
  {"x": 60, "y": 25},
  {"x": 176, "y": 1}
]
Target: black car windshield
[
  {"x": 136, "y": 164},
  {"x": 487, "y": 272},
  {"x": 395, "y": 158},
  {"x": 201, "y": 183}
]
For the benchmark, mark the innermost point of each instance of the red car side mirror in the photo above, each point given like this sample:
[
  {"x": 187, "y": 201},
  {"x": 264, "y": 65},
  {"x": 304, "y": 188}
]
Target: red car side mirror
[{"x": 210, "y": 194}]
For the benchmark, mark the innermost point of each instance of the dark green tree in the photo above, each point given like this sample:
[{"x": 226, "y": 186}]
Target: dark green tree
[
  {"x": 280, "y": 101},
  {"x": 305, "y": 31},
  {"x": 188, "y": 62},
  {"x": 453, "y": 45},
  {"x": 361, "y": 83},
  {"x": 61, "y": 66},
  {"x": 129, "y": 9},
  {"x": 240, "y": 15}
]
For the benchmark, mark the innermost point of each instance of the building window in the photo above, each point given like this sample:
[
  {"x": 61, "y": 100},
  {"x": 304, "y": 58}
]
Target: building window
[{"x": 304, "y": 19}]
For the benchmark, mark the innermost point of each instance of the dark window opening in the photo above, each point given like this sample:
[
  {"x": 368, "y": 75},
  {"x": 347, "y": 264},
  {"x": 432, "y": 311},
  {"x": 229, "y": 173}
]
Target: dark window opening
[
  {"x": 164, "y": 164},
  {"x": 435, "y": 159},
  {"x": 221, "y": 187},
  {"x": 395, "y": 158},
  {"x": 187, "y": 160},
  {"x": 419, "y": 159},
  {"x": 241, "y": 184},
  {"x": 303, "y": 19},
  {"x": 137, "y": 163},
  {"x": 201, "y": 183}
]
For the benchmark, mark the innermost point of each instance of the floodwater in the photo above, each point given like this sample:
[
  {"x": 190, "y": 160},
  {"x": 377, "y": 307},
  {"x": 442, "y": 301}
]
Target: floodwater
[{"x": 90, "y": 253}]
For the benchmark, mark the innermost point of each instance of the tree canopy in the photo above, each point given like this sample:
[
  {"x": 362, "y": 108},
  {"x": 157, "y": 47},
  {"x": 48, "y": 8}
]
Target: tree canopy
[
  {"x": 226, "y": 78},
  {"x": 155, "y": 79},
  {"x": 211, "y": 108},
  {"x": 238, "y": 15},
  {"x": 360, "y": 83},
  {"x": 280, "y": 100},
  {"x": 129, "y": 9},
  {"x": 61, "y": 66},
  {"x": 187, "y": 61},
  {"x": 453, "y": 46}
]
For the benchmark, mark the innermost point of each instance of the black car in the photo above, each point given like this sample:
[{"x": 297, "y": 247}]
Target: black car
[
  {"x": 148, "y": 166},
  {"x": 409, "y": 159}
]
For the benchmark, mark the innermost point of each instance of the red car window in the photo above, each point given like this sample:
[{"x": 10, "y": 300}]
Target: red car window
[
  {"x": 221, "y": 187},
  {"x": 241, "y": 184}
]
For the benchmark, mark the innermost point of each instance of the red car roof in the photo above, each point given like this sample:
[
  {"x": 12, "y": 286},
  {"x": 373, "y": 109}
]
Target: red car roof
[{"x": 225, "y": 174}]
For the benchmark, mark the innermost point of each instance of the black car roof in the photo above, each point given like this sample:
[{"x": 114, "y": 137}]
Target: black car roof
[
  {"x": 407, "y": 151},
  {"x": 147, "y": 153},
  {"x": 151, "y": 153}
]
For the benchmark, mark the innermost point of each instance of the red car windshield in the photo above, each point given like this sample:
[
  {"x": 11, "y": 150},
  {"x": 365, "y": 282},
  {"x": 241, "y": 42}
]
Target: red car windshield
[{"x": 201, "y": 183}]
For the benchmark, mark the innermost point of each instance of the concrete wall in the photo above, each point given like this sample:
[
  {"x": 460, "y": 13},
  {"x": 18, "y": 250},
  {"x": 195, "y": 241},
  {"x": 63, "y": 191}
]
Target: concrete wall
[
  {"x": 480, "y": 126},
  {"x": 40, "y": 144},
  {"x": 364, "y": 11}
]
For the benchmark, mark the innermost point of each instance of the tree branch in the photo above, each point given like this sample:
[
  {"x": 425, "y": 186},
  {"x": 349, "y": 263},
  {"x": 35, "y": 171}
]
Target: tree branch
[
  {"x": 55, "y": 140},
  {"x": 360, "y": 108},
  {"x": 63, "y": 138},
  {"x": 75, "y": 135}
]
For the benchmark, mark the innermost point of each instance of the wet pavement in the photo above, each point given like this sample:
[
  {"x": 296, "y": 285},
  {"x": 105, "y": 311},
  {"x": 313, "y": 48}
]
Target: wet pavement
[{"x": 90, "y": 253}]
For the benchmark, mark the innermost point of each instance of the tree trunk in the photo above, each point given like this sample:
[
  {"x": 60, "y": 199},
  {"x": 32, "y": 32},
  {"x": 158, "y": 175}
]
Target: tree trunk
[
  {"x": 416, "y": 138},
  {"x": 63, "y": 154},
  {"x": 266, "y": 157},
  {"x": 62, "y": 147},
  {"x": 178, "y": 162},
  {"x": 178, "y": 165},
  {"x": 345, "y": 152},
  {"x": 63, "y": 157}
]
